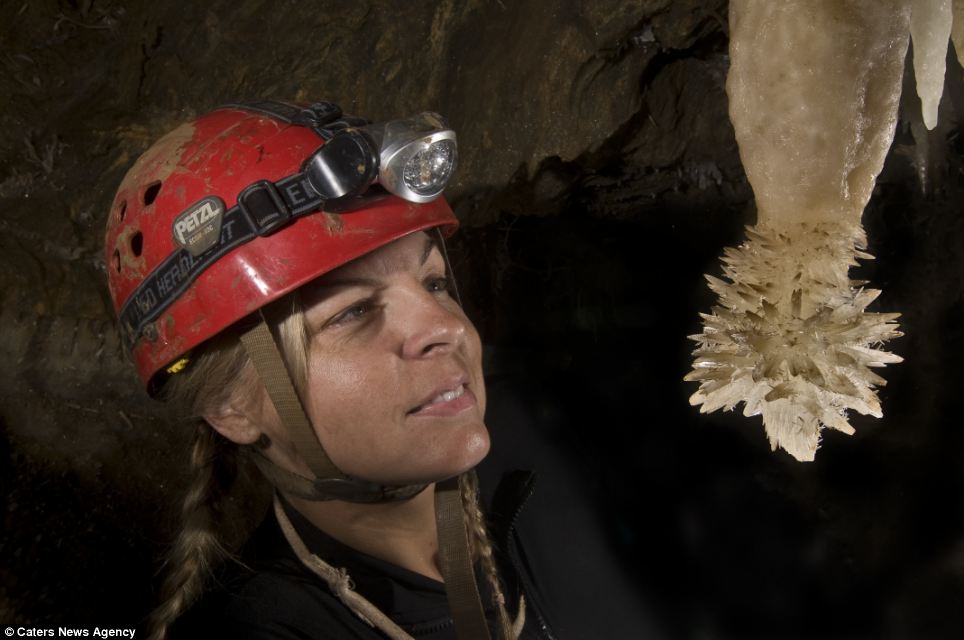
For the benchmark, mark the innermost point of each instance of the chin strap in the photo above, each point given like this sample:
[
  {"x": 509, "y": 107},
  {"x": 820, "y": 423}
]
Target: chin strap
[
  {"x": 264, "y": 354},
  {"x": 329, "y": 482},
  {"x": 349, "y": 489}
]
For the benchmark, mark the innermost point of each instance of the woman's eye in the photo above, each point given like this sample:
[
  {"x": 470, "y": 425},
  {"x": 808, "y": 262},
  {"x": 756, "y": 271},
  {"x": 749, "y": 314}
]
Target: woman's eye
[
  {"x": 437, "y": 284},
  {"x": 352, "y": 313}
]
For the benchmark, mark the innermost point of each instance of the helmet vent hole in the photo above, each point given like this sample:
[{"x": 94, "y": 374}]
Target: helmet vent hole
[
  {"x": 122, "y": 210},
  {"x": 117, "y": 263},
  {"x": 137, "y": 244},
  {"x": 150, "y": 193}
]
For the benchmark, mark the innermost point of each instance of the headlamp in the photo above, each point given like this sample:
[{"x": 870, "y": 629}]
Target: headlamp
[
  {"x": 417, "y": 156},
  {"x": 412, "y": 158}
]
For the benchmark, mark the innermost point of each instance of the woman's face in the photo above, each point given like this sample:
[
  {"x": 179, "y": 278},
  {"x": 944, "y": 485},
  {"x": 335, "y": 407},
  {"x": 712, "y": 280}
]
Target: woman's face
[{"x": 394, "y": 387}]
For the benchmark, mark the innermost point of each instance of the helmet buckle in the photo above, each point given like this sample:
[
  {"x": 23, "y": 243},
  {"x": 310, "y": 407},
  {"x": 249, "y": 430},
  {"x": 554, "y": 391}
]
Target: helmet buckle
[{"x": 264, "y": 207}]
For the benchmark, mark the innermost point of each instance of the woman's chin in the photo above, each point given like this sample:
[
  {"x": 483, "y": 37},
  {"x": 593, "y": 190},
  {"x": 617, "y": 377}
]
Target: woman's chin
[{"x": 438, "y": 463}]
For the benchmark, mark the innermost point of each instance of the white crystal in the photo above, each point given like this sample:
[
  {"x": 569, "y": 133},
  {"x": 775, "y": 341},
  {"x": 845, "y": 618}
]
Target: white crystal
[{"x": 801, "y": 353}]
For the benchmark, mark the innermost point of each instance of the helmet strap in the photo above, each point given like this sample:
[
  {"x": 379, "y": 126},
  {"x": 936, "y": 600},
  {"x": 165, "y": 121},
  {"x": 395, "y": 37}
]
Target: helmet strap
[
  {"x": 329, "y": 483},
  {"x": 261, "y": 348},
  {"x": 318, "y": 489}
]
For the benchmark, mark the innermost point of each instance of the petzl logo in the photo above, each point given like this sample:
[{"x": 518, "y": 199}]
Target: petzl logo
[{"x": 198, "y": 228}]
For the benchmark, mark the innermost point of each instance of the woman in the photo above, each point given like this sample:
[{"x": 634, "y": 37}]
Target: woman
[{"x": 279, "y": 272}]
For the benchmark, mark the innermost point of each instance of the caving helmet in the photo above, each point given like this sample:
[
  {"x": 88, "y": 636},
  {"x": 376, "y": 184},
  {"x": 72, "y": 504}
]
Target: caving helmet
[{"x": 249, "y": 202}]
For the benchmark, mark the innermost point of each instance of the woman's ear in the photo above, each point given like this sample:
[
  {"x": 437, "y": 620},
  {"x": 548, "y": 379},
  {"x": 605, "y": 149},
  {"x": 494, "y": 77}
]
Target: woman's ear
[{"x": 234, "y": 423}]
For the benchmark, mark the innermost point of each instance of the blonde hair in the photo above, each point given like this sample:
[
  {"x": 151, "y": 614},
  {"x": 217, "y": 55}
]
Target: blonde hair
[
  {"x": 211, "y": 379},
  {"x": 218, "y": 373},
  {"x": 481, "y": 547}
]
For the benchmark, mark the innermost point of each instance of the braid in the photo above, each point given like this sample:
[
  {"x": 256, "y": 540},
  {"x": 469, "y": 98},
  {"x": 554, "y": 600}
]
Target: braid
[
  {"x": 197, "y": 548},
  {"x": 481, "y": 547}
]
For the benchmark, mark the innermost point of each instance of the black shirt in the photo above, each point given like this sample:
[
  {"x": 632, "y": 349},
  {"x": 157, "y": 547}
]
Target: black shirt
[{"x": 275, "y": 596}]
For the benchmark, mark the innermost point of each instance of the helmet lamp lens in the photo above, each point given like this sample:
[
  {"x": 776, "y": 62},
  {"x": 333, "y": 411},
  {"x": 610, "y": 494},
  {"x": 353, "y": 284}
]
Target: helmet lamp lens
[{"x": 428, "y": 171}]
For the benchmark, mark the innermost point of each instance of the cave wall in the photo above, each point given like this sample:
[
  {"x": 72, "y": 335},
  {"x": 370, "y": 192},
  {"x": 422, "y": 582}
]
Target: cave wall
[{"x": 599, "y": 179}]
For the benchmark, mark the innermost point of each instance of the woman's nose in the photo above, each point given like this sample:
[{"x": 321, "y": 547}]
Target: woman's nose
[{"x": 428, "y": 326}]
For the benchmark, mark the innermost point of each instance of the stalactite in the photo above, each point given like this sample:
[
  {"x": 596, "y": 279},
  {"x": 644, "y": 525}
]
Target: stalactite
[
  {"x": 957, "y": 30},
  {"x": 930, "y": 27},
  {"x": 814, "y": 87}
]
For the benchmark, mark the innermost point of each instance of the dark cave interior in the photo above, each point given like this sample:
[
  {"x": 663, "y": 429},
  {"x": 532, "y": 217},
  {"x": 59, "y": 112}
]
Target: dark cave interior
[{"x": 599, "y": 180}]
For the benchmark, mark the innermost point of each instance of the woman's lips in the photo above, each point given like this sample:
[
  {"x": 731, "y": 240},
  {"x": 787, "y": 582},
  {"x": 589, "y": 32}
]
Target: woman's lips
[{"x": 447, "y": 403}]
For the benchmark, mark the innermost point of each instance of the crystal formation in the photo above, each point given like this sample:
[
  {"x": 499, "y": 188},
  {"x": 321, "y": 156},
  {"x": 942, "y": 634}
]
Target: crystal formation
[
  {"x": 813, "y": 89},
  {"x": 790, "y": 337}
]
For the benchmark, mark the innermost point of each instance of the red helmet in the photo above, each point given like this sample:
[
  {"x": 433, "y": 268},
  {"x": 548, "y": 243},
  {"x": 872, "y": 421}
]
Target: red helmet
[{"x": 245, "y": 204}]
